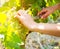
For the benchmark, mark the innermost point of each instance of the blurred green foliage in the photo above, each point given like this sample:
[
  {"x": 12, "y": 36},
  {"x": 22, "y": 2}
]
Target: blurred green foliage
[{"x": 14, "y": 32}]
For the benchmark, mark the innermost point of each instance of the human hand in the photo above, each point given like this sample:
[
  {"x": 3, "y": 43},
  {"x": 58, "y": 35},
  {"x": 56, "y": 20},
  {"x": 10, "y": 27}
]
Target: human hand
[{"x": 46, "y": 12}]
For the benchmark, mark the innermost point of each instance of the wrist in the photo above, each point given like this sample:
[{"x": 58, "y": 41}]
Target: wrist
[{"x": 57, "y": 7}]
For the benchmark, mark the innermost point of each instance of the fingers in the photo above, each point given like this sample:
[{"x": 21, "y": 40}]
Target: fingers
[
  {"x": 45, "y": 15},
  {"x": 20, "y": 13},
  {"x": 42, "y": 12},
  {"x": 17, "y": 15}
]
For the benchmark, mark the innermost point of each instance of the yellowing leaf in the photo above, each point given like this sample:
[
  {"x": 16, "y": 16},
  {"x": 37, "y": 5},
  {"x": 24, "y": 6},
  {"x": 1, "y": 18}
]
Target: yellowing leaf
[
  {"x": 3, "y": 18},
  {"x": 17, "y": 2}
]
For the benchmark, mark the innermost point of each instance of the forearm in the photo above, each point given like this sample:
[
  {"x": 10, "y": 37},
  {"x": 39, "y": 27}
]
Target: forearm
[
  {"x": 51, "y": 29},
  {"x": 57, "y": 7}
]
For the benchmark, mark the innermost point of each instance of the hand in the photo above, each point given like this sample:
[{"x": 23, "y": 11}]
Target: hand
[
  {"x": 46, "y": 12},
  {"x": 26, "y": 19}
]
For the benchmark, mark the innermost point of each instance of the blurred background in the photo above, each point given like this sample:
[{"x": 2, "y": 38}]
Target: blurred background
[{"x": 13, "y": 33}]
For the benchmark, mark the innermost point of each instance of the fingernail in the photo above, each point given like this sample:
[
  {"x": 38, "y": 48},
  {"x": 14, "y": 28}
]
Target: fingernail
[{"x": 18, "y": 14}]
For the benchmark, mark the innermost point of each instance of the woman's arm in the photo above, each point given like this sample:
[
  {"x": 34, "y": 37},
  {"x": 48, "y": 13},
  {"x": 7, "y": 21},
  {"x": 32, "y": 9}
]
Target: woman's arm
[
  {"x": 58, "y": 6},
  {"x": 26, "y": 20},
  {"x": 44, "y": 13},
  {"x": 51, "y": 29}
]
